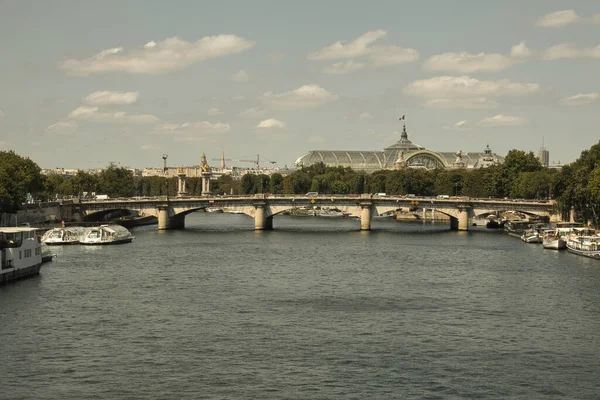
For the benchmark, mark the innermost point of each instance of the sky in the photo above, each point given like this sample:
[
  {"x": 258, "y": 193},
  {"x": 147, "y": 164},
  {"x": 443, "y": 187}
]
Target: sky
[{"x": 88, "y": 83}]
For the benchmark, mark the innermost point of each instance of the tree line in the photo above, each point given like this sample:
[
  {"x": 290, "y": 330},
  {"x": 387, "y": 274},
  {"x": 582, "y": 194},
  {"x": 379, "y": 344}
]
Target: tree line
[{"x": 521, "y": 175}]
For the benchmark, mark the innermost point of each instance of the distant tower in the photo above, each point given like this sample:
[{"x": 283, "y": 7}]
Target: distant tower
[
  {"x": 222, "y": 160},
  {"x": 544, "y": 155},
  {"x": 165, "y": 170}
]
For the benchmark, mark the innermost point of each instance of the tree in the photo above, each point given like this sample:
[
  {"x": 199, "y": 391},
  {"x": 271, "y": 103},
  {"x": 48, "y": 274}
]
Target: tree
[
  {"x": 576, "y": 186},
  {"x": 19, "y": 176},
  {"x": 116, "y": 182},
  {"x": 276, "y": 183},
  {"x": 515, "y": 163}
]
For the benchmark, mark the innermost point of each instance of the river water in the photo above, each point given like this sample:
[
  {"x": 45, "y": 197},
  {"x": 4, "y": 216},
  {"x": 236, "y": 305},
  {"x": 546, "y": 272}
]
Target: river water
[{"x": 315, "y": 309}]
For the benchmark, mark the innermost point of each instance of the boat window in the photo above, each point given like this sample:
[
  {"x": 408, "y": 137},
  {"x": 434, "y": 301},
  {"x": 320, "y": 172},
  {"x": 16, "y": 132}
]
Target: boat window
[{"x": 11, "y": 239}]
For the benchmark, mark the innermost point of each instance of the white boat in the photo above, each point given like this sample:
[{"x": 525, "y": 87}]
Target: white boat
[
  {"x": 214, "y": 209},
  {"x": 106, "y": 234},
  {"x": 20, "y": 253},
  {"x": 531, "y": 236},
  {"x": 47, "y": 254},
  {"x": 554, "y": 239},
  {"x": 584, "y": 242},
  {"x": 63, "y": 235},
  {"x": 328, "y": 212}
]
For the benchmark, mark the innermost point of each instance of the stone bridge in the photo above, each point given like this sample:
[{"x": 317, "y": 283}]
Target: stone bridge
[{"x": 171, "y": 211}]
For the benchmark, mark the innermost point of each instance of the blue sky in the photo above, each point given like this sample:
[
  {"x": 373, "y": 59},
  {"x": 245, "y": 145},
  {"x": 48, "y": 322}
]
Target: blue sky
[{"x": 87, "y": 83}]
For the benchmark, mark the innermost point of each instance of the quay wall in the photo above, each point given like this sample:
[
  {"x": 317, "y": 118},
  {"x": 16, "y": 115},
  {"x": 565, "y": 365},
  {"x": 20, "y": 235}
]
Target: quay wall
[{"x": 34, "y": 214}]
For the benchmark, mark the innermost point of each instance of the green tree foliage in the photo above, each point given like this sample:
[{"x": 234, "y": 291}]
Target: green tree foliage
[
  {"x": 18, "y": 177},
  {"x": 576, "y": 186},
  {"x": 515, "y": 163},
  {"x": 116, "y": 182},
  {"x": 533, "y": 185},
  {"x": 276, "y": 184}
]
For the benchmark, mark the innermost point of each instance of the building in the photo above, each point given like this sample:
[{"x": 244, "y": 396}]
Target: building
[
  {"x": 544, "y": 157},
  {"x": 402, "y": 154}
]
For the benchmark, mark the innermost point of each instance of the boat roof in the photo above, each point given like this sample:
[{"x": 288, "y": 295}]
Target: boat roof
[{"x": 13, "y": 229}]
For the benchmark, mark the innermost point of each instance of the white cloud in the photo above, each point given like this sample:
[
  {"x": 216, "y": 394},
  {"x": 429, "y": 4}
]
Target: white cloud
[
  {"x": 158, "y": 57},
  {"x": 558, "y": 19},
  {"x": 271, "y": 123},
  {"x": 214, "y": 111},
  {"x": 2, "y": 114},
  {"x": 191, "y": 131},
  {"x": 240, "y": 76},
  {"x": 106, "y": 98},
  {"x": 2, "y": 144},
  {"x": 149, "y": 147},
  {"x": 383, "y": 56},
  {"x": 459, "y": 126},
  {"x": 358, "y": 47},
  {"x": 253, "y": 113},
  {"x": 316, "y": 139},
  {"x": 365, "y": 115},
  {"x": 520, "y": 51},
  {"x": 502, "y": 120},
  {"x": 567, "y": 51},
  {"x": 343, "y": 67},
  {"x": 464, "y": 86},
  {"x": 94, "y": 114},
  {"x": 468, "y": 103},
  {"x": 307, "y": 96},
  {"x": 63, "y": 127},
  {"x": 579, "y": 99},
  {"x": 464, "y": 62},
  {"x": 377, "y": 56},
  {"x": 596, "y": 19}
]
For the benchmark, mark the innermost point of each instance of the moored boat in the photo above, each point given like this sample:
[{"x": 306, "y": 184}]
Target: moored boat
[
  {"x": 47, "y": 255},
  {"x": 20, "y": 253},
  {"x": 63, "y": 235},
  {"x": 584, "y": 242},
  {"x": 516, "y": 227},
  {"x": 531, "y": 235},
  {"x": 329, "y": 212},
  {"x": 106, "y": 234},
  {"x": 554, "y": 239}
]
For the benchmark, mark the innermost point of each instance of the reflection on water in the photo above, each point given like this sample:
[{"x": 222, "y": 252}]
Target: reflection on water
[{"x": 313, "y": 309}]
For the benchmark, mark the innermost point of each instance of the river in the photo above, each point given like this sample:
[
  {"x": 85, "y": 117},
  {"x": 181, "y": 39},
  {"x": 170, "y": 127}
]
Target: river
[{"x": 315, "y": 309}]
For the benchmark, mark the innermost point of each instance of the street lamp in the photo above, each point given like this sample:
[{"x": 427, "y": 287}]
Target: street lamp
[{"x": 165, "y": 173}]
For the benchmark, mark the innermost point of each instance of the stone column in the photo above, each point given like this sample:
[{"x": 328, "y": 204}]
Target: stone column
[
  {"x": 181, "y": 186},
  {"x": 572, "y": 215},
  {"x": 166, "y": 219},
  {"x": 259, "y": 218},
  {"x": 463, "y": 220},
  {"x": 163, "y": 218},
  {"x": 205, "y": 184},
  {"x": 365, "y": 217}
]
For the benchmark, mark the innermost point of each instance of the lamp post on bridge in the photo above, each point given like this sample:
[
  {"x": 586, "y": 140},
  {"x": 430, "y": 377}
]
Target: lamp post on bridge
[{"x": 165, "y": 173}]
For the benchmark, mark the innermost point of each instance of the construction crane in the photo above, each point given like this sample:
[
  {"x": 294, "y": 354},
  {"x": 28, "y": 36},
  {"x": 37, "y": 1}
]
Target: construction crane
[{"x": 255, "y": 162}]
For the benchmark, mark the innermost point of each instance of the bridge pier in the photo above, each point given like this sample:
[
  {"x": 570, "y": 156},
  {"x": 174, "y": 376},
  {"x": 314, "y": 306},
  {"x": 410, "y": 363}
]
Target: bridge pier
[
  {"x": 168, "y": 221},
  {"x": 461, "y": 222},
  {"x": 261, "y": 221},
  {"x": 365, "y": 217}
]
